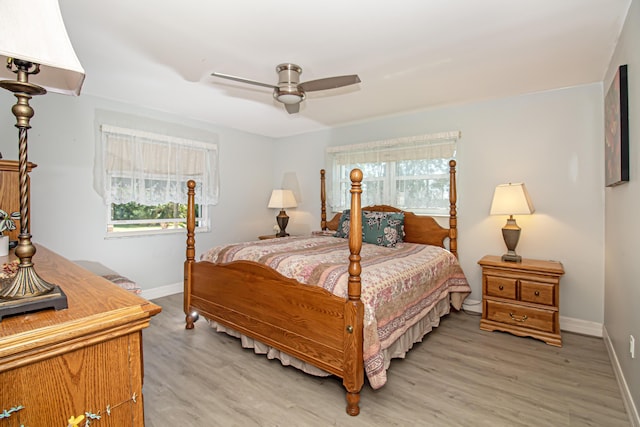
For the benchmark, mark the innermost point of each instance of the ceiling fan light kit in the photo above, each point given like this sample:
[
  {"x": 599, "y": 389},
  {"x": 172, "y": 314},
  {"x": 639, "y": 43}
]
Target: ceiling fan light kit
[
  {"x": 288, "y": 98},
  {"x": 289, "y": 90}
]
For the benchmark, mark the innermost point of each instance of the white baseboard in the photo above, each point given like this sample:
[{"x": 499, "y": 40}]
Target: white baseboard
[
  {"x": 579, "y": 326},
  {"x": 162, "y": 291},
  {"x": 568, "y": 324},
  {"x": 629, "y": 405},
  {"x": 472, "y": 305}
]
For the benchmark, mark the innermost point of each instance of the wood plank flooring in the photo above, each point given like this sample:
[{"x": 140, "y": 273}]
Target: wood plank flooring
[{"x": 458, "y": 376}]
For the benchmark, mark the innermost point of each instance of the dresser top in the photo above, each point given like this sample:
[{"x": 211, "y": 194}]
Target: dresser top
[{"x": 96, "y": 310}]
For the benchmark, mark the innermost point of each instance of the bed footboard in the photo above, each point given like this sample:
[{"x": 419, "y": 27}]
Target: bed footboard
[{"x": 303, "y": 321}]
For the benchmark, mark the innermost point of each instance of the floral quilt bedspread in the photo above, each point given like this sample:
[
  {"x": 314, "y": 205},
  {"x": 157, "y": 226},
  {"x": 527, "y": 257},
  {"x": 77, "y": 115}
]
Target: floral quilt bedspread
[{"x": 399, "y": 284}]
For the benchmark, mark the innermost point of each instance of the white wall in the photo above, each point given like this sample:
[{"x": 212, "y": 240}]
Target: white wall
[
  {"x": 552, "y": 141},
  {"x": 622, "y": 243},
  {"x": 68, "y": 216}
]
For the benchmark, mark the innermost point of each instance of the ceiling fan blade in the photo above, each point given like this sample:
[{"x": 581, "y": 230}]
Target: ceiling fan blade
[
  {"x": 292, "y": 108},
  {"x": 243, "y": 80},
  {"x": 329, "y": 83}
]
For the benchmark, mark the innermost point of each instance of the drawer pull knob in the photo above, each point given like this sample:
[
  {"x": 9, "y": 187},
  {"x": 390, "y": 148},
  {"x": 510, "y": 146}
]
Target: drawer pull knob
[
  {"x": 522, "y": 319},
  {"x": 537, "y": 293},
  {"x": 501, "y": 287}
]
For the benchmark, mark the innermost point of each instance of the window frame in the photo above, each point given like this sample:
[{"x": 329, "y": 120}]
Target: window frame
[
  {"x": 340, "y": 167},
  {"x": 203, "y": 222}
]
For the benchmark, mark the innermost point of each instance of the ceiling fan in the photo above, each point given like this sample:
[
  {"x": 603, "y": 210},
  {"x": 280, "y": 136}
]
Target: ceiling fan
[{"x": 289, "y": 90}]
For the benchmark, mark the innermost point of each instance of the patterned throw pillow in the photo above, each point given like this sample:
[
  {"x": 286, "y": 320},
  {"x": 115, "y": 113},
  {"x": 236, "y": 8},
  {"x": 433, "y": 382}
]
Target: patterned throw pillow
[
  {"x": 379, "y": 228},
  {"x": 383, "y": 228},
  {"x": 344, "y": 224}
]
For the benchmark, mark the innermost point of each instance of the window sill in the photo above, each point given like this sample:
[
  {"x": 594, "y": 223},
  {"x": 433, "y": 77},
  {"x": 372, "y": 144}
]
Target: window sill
[{"x": 129, "y": 234}]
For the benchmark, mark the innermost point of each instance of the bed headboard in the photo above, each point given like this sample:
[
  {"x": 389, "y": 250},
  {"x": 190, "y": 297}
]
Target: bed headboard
[{"x": 418, "y": 228}]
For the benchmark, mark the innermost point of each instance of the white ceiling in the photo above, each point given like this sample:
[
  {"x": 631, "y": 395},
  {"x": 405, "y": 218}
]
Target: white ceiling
[{"x": 409, "y": 54}]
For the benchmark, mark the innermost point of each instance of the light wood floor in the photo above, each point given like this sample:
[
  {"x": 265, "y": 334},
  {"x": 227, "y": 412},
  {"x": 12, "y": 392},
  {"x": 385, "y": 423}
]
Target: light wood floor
[{"x": 458, "y": 376}]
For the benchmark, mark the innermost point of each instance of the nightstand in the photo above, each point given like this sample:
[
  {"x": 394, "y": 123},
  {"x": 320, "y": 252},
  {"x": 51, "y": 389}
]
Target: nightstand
[
  {"x": 522, "y": 298},
  {"x": 268, "y": 236}
]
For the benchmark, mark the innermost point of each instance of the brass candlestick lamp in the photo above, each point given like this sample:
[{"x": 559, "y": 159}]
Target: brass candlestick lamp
[{"x": 33, "y": 43}]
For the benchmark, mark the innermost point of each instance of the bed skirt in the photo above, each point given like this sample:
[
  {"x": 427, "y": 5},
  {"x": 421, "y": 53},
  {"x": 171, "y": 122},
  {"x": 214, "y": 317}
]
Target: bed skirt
[{"x": 396, "y": 350}]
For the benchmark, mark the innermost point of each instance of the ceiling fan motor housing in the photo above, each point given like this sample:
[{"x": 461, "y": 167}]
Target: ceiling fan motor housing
[{"x": 288, "y": 80}]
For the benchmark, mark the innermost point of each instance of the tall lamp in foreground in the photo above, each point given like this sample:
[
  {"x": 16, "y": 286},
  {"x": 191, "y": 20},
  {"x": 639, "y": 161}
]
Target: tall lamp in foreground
[
  {"x": 511, "y": 199},
  {"x": 34, "y": 45},
  {"x": 281, "y": 199}
]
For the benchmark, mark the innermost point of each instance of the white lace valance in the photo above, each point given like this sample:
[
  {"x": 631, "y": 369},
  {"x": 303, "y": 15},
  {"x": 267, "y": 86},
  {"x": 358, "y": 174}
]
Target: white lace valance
[
  {"x": 429, "y": 146},
  {"x": 153, "y": 169}
]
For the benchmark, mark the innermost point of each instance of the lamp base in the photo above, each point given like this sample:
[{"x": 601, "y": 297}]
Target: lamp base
[
  {"x": 511, "y": 235},
  {"x": 511, "y": 258},
  {"x": 282, "y": 219},
  {"x": 56, "y": 299}
]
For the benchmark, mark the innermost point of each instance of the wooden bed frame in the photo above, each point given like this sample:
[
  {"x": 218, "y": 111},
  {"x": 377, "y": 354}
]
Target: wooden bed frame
[{"x": 306, "y": 322}]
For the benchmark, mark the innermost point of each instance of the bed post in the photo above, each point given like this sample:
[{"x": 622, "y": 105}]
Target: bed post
[
  {"x": 453, "y": 219},
  {"x": 354, "y": 310},
  {"x": 191, "y": 252},
  {"x": 323, "y": 201}
]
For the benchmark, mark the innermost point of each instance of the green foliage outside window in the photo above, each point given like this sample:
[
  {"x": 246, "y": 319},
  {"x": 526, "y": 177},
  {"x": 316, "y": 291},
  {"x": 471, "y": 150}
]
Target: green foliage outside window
[{"x": 134, "y": 216}]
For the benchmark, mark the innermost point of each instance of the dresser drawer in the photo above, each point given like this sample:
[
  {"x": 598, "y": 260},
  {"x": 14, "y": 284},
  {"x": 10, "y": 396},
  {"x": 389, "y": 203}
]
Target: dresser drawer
[
  {"x": 501, "y": 287},
  {"x": 516, "y": 315},
  {"x": 537, "y": 292}
]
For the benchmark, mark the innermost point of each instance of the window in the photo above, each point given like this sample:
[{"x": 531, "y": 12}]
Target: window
[
  {"x": 144, "y": 180},
  {"x": 410, "y": 173}
]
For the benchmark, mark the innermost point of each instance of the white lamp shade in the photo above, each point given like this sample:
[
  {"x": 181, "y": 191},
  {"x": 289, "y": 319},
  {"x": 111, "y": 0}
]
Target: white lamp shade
[
  {"x": 511, "y": 199},
  {"x": 281, "y": 199},
  {"x": 33, "y": 31}
]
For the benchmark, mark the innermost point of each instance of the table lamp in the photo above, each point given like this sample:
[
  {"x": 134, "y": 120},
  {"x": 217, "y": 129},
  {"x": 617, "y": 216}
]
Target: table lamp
[
  {"x": 511, "y": 199},
  {"x": 281, "y": 199},
  {"x": 34, "y": 45}
]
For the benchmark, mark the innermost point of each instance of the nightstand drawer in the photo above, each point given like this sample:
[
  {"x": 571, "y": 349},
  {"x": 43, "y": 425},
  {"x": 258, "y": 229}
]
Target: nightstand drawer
[
  {"x": 540, "y": 293},
  {"x": 526, "y": 317},
  {"x": 501, "y": 287}
]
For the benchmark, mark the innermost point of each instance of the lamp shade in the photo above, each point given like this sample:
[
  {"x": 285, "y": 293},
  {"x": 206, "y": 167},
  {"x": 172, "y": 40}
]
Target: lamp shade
[
  {"x": 511, "y": 199},
  {"x": 33, "y": 31},
  {"x": 282, "y": 199}
]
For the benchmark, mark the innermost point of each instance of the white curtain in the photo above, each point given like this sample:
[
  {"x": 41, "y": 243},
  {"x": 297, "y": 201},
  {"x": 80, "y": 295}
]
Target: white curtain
[
  {"x": 407, "y": 172},
  {"x": 153, "y": 169}
]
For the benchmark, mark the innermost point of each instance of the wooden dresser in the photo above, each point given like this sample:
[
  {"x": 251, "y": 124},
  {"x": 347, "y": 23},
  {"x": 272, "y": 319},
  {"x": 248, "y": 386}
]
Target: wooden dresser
[
  {"x": 87, "y": 358},
  {"x": 522, "y": 298}
]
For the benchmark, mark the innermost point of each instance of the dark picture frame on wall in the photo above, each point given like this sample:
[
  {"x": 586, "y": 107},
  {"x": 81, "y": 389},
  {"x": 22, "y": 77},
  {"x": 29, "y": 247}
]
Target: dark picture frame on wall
[{"x": 616, "y": 132}]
